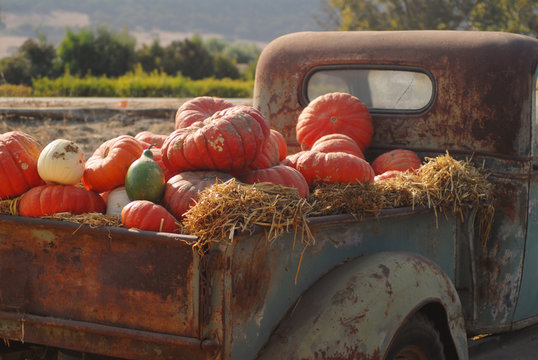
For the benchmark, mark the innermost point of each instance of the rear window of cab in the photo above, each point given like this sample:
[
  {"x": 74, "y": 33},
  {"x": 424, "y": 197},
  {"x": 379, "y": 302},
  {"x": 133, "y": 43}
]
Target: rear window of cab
[{"x": 385, "y": 90}]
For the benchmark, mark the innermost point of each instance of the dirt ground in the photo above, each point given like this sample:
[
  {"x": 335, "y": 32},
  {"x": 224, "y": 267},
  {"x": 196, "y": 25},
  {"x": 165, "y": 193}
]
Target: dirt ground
[{"x": 89, "y": 121}]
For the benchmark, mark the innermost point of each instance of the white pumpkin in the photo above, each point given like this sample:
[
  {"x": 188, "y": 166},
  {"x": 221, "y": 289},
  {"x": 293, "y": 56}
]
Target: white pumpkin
[
  {"x": 61, "y": 162},
  {"x": 116, "y": 200}
]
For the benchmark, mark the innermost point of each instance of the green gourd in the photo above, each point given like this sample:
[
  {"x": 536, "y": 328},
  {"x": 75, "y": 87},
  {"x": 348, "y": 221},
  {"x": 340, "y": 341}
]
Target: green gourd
[{"x": 145, "y": 179}]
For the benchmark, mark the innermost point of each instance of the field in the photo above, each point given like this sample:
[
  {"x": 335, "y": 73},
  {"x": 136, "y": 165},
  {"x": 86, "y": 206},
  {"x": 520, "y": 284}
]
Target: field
[{"x": 88, "y": 121}]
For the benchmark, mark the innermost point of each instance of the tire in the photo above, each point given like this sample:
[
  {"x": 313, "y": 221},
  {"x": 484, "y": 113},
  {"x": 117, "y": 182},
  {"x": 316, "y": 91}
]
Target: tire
[{"x": 417, "y": 339}]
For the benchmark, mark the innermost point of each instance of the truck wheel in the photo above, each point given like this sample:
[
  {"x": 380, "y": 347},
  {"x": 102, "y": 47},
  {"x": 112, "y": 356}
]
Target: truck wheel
[{"x": 417, "y": 339}]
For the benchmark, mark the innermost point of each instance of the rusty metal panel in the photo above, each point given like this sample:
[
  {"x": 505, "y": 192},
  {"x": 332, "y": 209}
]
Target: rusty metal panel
[
  {"x": 100, "y": 339},
  {"x": 481, "y": 81},
  {"x": 261, "y": 277},
  {"x": 108, "y": 276}
]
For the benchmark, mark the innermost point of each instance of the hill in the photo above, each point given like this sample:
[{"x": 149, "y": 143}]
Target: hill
[{"x": 256, "y": 21}]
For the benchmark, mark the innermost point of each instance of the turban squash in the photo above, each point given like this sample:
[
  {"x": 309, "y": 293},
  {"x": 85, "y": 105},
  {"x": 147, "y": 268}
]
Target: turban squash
[{"x": 199, "y": 109}]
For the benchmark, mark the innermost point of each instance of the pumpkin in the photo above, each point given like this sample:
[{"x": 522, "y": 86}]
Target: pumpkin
[
  {"x": 149, "y": 138},
  {"x": 19, "y": 153},
  {"x": 157, "y": 156},
  {"x": 291, "y": 160},
  {"x": 334, "y": 167},
  {"x": 183, "y": 190},
  {"x": 107, "y": 167},
  {"x": 281, "y": 142},
  {"x": 228, "y": 141},
  {"x": 279, "y": 175},
  {"x": 336, "y": 143},
  {"x": 332, "y": 113},
  {"x": 146, "y": 215},
  {"x": 398, "y": 159},
  {"x": 51, "y": 199},
  {"x": 199, "y": 109},
  {"x": 387, "y": 175},
  {"x": 145, "y": 179},
  {"x": 61, "y": 162},
  {"x": 269, "y": 155},
  {"x": 115, "y": 200}
]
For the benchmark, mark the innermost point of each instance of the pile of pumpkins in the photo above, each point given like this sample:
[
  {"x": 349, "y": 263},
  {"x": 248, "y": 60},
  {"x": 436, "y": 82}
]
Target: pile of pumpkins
[{"x": 151, "y": 180}]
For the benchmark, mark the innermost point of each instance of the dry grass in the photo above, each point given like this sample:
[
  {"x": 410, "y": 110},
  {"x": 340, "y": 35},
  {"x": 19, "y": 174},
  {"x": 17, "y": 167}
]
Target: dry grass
[
  {"x": 90, "y": 219},
  {"x": 232, "y": 206}
]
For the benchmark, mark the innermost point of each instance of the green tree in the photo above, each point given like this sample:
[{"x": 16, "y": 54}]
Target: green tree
[
  {"x": 189, "y": 57},
  {"x": 105, "y": 53},
  {"x": 151, "y": 57},
  {"x": 502, "y": 15},
  {"x": 15, "y": 70},
  {"x": 41, "y": 57},
  {"x": 242, "y": 53},
  {"x": 225, "y": 67}
]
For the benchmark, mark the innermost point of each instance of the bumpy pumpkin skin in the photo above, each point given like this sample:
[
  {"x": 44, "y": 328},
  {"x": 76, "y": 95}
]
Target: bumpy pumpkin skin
[
  {"x": 398, "y": 159},
  {"x": 269, "y": 155},
  {"x": 51, "y": 199},
  {"x": 199, "y": 109},
  {"x": 279, "y": 175},
  {"x": 335, "y": 113},
  {"x": 281, "y": 142},
  {"x": 19, "y": 153},
  {"x": 148, "y": 138},
  {"x": 228, "y": 141},
  {"x": 334, "y": 167},
  {"x": 336, "y": 143},
  {"x": 107, "y": 167},
  {"x": 145, "y": 215},
  {"x": 183, "y": 190},
  {"x": 291, "y": 160}
]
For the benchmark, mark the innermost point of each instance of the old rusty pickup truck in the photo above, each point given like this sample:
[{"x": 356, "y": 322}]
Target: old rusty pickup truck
[{"x": 403, "y": 284}]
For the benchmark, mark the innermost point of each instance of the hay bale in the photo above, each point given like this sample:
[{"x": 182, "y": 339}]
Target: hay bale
[{"x": 225, "y": 208}]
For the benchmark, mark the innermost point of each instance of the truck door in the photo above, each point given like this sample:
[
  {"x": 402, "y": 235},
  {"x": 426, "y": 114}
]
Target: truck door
[{"x": 527, "y": 306}]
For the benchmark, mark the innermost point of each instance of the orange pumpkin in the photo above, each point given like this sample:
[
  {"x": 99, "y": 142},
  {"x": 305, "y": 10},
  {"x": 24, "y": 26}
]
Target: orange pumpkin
[
  {"x": 107, "y": 167},
  {"x": 336, "y": 143},
  {"x": 281, "y": 142},
  {"x": 228, "y": 141},
  {"x": 51, "y": 199},
  {"x": 398, "y": 159},
  {"x": 334, "y": 167},
  {"x": 145, "y": 215},
  {"x": 199, "y": 109},
  {"x": 269, "y": 155},
  {"x": 150, "y": 138},
  {"x": 279, "y": 175},
  {"x": 183, "y": 190},
  {"x": 19, "y": 153},
  {"x": 332, "y": 113}
]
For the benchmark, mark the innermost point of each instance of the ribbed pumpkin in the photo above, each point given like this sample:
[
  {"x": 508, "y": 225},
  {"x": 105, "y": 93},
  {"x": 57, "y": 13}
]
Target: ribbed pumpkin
[
  {"x": 145, "y": 179},
  {"x": 145, "y": 215},
  {"x": 332, "y": 113},
  {"x": 279, "y": 175},
  {"x": 228, "y": 141},
  {"x": 199, "y": 109},
  {"x": 398, "y": 159},
  {"x": 269, "y": 155},
  {"x": 51, "y": 199},
  {"x": 334, "y": 167},
  {"x": 291, "y": 160},
  {"x": 107, "y": 167},
  {"x": 337, "y": 143},
  {"x": 19, "y": 153},
  {"x": 281, "y": 142},
  {"x": 182, "y": 190},
  {"x": 157, "y": 156},
  {"x": 149, "y": 138}
]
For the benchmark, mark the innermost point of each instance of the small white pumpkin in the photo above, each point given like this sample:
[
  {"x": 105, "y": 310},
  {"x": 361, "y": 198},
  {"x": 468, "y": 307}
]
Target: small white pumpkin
[
  {"x": 116, "y": 200},
  {"x": 61, "y": 162}
]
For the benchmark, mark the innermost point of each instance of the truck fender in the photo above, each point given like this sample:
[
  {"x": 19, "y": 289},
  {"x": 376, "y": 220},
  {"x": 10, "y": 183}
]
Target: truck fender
[{"x": 355, "y": 310}]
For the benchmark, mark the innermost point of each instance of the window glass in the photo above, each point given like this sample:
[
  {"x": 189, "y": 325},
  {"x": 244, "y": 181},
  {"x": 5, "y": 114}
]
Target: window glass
[{"x": 376, "y": 88}]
